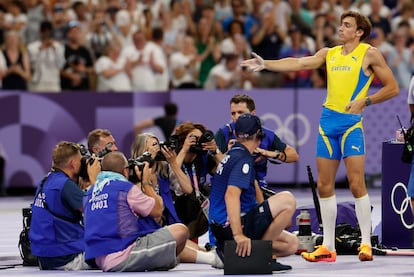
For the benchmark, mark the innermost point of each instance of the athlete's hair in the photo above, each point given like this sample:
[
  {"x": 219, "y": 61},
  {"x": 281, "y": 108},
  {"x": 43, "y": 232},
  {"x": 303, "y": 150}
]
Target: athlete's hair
[{"x": 362, "y": 22}]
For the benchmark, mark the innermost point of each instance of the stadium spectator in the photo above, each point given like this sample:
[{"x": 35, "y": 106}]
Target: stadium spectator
[
  {"x": 60, "y": 19},
  {"x": 76, "y": 74},
  {"x": 15, "y": 18},
  {"x": 124, "y": 28},
  {"x": 297, "y": 48},
  {"x": 228, "y": 75},
  {"x": 46, "y": 60},
  {"x": 18, "y": 72},
  {"x": 401, "y": 58},
  {"x": 162, "y": 77},
  {"x": 185, "y": 65},
  {"x": 406, "y": 11},
  {"x": 377, "y": 18},
  {"x": 36, "y": 13},
  {"x": 268, "y": 40},
  {"x": 110, "y": 70},
  {"x": 142, "y": 62},
  {"x": 208, "y": 46},
  {"x": 100, "y": 33},
  {"x": 239, "y": 9}
]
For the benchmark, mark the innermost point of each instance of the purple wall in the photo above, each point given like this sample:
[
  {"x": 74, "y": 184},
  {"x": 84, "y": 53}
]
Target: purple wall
[{"x": 32, "y": 123}]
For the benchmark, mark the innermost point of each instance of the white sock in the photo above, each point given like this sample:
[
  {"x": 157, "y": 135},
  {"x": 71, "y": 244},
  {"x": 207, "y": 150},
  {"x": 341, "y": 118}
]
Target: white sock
[
  {"x": 328, "y": 213},
  {"x": 203, "y": 257},
  {"x": 363, "y": 213}
]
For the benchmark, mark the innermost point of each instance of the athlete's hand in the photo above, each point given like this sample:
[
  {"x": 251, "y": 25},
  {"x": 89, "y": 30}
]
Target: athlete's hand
[
  {"x": 255, "y": 64},
  {"x": 356, "y": 106}
]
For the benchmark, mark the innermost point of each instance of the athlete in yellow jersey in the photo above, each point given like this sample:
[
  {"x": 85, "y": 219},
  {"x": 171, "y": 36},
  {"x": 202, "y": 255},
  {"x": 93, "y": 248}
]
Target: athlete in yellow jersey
[{"x": 350, "y": 68}]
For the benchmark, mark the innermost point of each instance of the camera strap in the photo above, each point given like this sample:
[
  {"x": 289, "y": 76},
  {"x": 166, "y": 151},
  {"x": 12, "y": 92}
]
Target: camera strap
[{"x": 204, "y": 201}]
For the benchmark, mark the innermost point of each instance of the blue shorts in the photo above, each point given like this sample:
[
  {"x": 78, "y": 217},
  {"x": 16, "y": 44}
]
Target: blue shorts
[
  {"x": 254, "y": 224},
  {"x": 340, "y": 135},
  {"x": 256, "y": 221}
]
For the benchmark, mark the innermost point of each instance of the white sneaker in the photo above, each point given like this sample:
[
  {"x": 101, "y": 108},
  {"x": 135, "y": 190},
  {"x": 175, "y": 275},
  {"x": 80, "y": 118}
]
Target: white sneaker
[{"x": 218, "y": 261}]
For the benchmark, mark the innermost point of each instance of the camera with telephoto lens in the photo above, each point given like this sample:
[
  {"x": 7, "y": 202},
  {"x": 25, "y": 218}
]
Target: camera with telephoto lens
[
  {"x": 87, "y": 158},
  {"x": 171, "y": 142},
  {"x": 145, "y": 157},
  {"x": 197, "y": 148}
]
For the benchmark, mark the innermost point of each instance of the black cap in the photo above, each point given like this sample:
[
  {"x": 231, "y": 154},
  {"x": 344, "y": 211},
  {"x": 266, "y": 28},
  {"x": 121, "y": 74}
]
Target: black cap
[{"x": 247, "y": 125}]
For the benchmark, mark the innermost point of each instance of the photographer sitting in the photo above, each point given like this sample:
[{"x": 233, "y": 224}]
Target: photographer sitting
[
  {"x": 194, "y": 141},
  {"x": 146, "y": 146},
  {"x": 57, "y": 233},
  {"x": 163, "y": 160},
  {"x": 129, "y": 239},
  {"x": 100, "y": 142}
]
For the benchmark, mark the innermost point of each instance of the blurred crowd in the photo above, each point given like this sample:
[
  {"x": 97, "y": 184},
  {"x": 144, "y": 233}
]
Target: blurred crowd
[{"x": 157, "y": 45}]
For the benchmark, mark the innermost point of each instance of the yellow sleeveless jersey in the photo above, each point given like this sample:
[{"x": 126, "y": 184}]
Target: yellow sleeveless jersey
[{"x": 346, "y": 79}]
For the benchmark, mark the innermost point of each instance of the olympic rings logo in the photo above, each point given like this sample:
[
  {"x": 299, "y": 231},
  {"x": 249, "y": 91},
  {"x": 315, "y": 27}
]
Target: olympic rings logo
[
  {"x": 405, "y": 204},
  {"x": 283, "y": 130}
]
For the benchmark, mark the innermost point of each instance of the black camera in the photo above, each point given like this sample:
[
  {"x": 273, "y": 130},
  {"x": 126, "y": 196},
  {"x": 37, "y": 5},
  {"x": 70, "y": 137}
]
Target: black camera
[
  {"x": 172, "y": 142},
  {"x": 145, "y": 157},
  {"x": 88, "y": 158},
  {"x": 207, "y": 136}
]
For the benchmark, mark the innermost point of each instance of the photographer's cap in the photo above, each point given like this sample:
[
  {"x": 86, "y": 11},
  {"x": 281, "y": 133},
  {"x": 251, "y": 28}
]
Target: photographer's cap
[{"x": 246, "y": 125}]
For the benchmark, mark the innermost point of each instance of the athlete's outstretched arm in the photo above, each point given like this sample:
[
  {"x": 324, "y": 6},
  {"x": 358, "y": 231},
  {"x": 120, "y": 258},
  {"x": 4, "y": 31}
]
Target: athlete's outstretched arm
[{"x": 286, "y": 64}]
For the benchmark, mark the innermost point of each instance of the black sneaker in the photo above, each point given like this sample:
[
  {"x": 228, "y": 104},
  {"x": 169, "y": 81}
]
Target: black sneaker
[{"x": 280, "y": 268}]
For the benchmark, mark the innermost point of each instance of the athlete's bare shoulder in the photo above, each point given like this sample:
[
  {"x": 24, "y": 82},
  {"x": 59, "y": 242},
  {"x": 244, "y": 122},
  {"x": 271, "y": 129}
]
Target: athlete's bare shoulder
[{"x": 373, "y": 56}]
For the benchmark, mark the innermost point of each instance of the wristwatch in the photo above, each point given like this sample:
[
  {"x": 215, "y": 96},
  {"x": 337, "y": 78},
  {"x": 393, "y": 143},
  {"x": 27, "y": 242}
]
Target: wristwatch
[
  {"x": 368, "y": 101},
  {"x": 215, "y": 152},
  {"x": 277, "y": 154}
]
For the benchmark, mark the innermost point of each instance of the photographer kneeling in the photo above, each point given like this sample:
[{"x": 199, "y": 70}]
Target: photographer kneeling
[
  {"x": 56, "y": 232},
  {"x": 195, "y": 143}
]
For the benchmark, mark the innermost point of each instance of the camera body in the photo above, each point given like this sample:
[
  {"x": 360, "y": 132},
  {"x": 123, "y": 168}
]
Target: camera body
[
  {"x": 197, "y": 148},
  {"x": 172, "y": 142},
  {"x": 87, "y": 158},
  {"x": 139, "y": 161}
]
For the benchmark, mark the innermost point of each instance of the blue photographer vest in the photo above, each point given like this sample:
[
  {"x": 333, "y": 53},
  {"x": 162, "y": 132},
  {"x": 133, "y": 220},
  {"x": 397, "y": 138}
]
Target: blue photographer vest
[
  {"x": 266, "y": 143},
  {"x": 110, "y": 224},
  {"x": 165, "y": 193},
  {"x": 51, "y": 236}
]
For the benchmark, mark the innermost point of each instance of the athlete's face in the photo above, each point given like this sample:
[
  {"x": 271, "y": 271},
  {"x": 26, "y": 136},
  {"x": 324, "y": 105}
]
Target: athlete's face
[
  {"x": 348, "y": 29},
  {"x": 238, "y": 109}
]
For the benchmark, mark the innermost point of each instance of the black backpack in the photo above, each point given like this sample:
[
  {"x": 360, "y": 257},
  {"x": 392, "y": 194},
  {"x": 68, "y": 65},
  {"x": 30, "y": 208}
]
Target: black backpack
[{"x": 24, "y": 243}]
